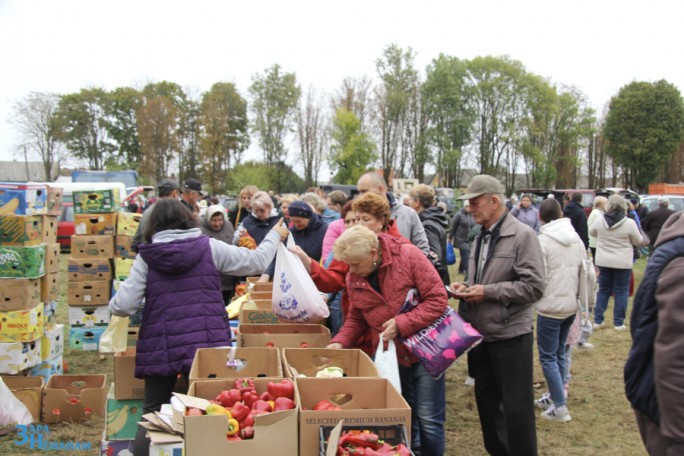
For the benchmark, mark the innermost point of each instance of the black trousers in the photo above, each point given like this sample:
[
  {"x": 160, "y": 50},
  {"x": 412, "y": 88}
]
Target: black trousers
[
  {"x": 504, "y": 394},
  {"x": 157, "y": 392}
]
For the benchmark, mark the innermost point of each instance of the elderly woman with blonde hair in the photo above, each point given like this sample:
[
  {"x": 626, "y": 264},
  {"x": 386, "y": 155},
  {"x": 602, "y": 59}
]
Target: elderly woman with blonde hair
[
  {"x": 382, "y": 270},
  {"x": 596, "y": 213}
]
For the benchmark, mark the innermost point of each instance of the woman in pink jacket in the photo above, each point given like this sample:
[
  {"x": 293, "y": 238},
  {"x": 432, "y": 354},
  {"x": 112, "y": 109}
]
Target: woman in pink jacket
[{"x": 382, "y": 270}]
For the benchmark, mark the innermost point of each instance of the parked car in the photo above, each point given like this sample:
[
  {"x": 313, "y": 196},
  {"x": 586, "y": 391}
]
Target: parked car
[{"x": 651, "y": 202}]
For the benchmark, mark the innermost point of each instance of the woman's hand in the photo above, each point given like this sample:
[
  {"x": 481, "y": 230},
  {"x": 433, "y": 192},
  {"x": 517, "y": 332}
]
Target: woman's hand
[
  {"x": 297, "y": 250},
  {"x": 335, "y": 346},
  {"x": 390, "y": 330},
  {"x": 282, "y": 231}
]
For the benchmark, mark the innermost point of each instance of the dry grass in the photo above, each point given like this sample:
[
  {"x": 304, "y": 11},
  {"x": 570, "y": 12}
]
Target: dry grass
[{"x": 602, "y": 420}]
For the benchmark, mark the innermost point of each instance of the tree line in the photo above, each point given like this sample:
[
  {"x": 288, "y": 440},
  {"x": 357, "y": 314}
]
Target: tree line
[{"x": 489, "y": 114}]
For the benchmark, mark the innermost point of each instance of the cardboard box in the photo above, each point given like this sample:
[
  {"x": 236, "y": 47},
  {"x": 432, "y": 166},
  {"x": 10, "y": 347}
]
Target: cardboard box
[
  {"x": 309, "y": 361},
  {"x": 52, "y": 258},
  {"x": 96, "y": 201},
  {"x": 88, "y": 316},
  {"x": 127, "y": 223},
  {"x": 122, "y": 417},
  {"x": 92, "y": 246},
  {"x": 133, "y": 334},
  {"x": 75, "y": 397},
  {"x": 89, "y": 269},
  {"x": 50, "y": 225},
  {"x": 88, "y": 293},
  {"x": 50, "y": 314},
  {"x": 55, "y": 197},
  {"x": 261, "y": 295},
  {"x": 23, "y": 199},
  {"x": 95, "y": 224},
  {"x": 364, "y": 401},
  {"x": 17, "y": 356},
  {"x": 284, "y": 335},
  {"x": 85, "y": 339},
  {"x": 126, "y": 386},
  {"x": 52, "y": 343},
  {"x": 19, "y": 294},
  {"x": 21, "y": 230},
  {"x": 22, "y": 262},
  {"x": 259, "y": 312},
  {"x": 258, "y": 287},
  {"x": 235, "y": 362},
  {"x": 118, "y": 447},
  {"x": 49, "y": 287},
  {"x": 122, "y": 268},
  {"x": 29, "y": 390},
  {"x": 122, "y": 246},
  {"x": 206, "y": 435},
  {"x": 22, "y": 325},
  {"x": 48, "y": 368}
]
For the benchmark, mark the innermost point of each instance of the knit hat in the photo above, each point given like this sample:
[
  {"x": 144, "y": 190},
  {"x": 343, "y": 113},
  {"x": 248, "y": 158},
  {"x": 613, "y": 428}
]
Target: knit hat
[{"x": 299, "y": 208}]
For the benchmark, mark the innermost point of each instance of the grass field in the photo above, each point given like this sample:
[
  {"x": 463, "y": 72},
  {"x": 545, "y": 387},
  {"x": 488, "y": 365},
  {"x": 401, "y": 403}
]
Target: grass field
[{"x": 602, "y": 420}]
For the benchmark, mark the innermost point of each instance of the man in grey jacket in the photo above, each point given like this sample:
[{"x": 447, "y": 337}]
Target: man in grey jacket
[
  {"x": 505, "y": 278},
  {"x": 407, "y": 219}
]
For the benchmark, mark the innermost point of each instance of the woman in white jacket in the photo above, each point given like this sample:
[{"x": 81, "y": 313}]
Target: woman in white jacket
[
  {"x": 564, "y": 254},
  {"x": 617, "y": 235}
]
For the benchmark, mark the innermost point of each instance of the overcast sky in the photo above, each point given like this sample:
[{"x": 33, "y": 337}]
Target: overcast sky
[{"x": 64, "y": 46}]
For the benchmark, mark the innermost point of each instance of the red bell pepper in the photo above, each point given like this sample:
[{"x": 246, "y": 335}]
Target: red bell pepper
[
  {"x": 266, "y": 396},
  {"x": 284, "y": 388},
  {"x": 239, "y": 411},
  {"x": 229, "y": 397},
  {"x": 284, "y": 403},
  {"x": 233, "y": 438},
  {"x": 326, "y": 405},
  {"x": 262, "y": 406},
  {"x": 244, "y": 384},
  {"x": 248, "y": 421},
  {"x": 363, "y": 440},
  {"x": 249, "y": 398},
  {"x": 247, "y": 432}
]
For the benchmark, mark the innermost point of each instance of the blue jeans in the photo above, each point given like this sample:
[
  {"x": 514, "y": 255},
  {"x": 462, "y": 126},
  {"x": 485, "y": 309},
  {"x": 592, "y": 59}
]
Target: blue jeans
[
  {"x": 616, "y": 282},
  {"x": 427, "y": 398},
  {"x": 463, "y": 265},
  {"x": 551, "y": 336}
]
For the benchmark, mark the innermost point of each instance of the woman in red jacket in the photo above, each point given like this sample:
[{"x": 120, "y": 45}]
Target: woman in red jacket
[{"x": 382, "y": 270}]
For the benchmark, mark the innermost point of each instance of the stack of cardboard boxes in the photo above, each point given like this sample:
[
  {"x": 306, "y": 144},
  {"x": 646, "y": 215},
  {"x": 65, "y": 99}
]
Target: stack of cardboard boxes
[
  {"x": 90, "y": 266},
  {"x": 30, "y": 341}
]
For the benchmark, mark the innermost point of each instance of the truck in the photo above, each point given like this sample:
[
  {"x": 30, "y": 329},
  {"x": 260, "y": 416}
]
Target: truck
[{"x": 128, "y": 177}]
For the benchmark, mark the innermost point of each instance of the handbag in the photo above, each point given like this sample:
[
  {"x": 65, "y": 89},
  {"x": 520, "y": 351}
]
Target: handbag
[
  {"x": 442, "y": 342},
  {"x": 450, "y": 254},
  {"x": 387, "y": 364},
  {"x": 295, "y": 296}
]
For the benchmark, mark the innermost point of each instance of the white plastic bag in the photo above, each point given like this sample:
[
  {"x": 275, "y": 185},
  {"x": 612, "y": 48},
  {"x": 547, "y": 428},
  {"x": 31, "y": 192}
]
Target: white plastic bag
[
  {"x": 12, "y": 411},
  {"x": 115, "y": 338},
  {"x": 387, "y": 364},
  {"x": 295, "y": 296}
]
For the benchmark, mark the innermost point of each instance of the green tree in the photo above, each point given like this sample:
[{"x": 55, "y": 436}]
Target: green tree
[
  {"x": 351, "y": 151},
  {"x": 122, "y": 125},
  {"x": 34, "y": 116},
  {"x": 275, "y": 96},
  {"x": 224, "y": 134},
  {"x": 644, "y": 128},
  {"x": 277, "y": 177},
  {"x": 82, "y": 124},
  {"x": 158, "y": 132},
  {"x": 446, "y": 93}
]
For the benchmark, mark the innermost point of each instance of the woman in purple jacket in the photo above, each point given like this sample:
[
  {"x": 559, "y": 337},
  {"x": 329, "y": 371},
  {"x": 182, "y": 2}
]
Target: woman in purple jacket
[{"x": 177, "y": 272}]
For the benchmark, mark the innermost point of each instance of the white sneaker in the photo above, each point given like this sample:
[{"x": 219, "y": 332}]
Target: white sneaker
[
  {"x": 585, "y": 346},
  {"x": 621, "y": 328},
  {"x": 470, "y": 381},
  {"x": 599, "y": 325},
  {"x": 554, "y": 413},
  {"x": 545, "y": 401}
]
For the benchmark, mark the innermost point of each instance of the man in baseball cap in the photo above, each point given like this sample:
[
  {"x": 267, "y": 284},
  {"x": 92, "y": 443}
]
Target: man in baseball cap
[
  {"x": 482, "y": 184},
  {"x": 191, "y": 193}
]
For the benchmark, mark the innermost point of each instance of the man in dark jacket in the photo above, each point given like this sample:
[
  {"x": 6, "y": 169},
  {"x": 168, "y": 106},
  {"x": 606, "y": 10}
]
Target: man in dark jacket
[
  {"x": 435, "y": 223},
  {"x": 166, "y": 188},
  {"x": 459, "y": 235},
  {"x": 574, "y": 211},
  {"x": 655, "y": 220},
  {"x": 640, "y": 209},
  {"x": 653, "y": 371}
]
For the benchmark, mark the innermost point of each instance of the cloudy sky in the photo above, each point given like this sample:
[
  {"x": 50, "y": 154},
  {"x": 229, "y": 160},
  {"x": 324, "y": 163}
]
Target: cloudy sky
[{"x": 63, "y": 46}]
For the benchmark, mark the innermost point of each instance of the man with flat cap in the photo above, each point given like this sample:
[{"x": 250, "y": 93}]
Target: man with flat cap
[
  {"x": 505, "y": 278},
  {"x": 166, "y": 188},
  {"x": 191, "y": 193}
]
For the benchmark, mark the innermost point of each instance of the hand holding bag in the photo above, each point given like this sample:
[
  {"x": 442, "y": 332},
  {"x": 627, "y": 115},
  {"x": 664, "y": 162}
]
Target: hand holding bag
[
  {"x": 441, "y": 343},
  {"x": 115, "y": 337},
  {"x": 295, "y": 296},
  {"x": 387, "y": 364}
]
